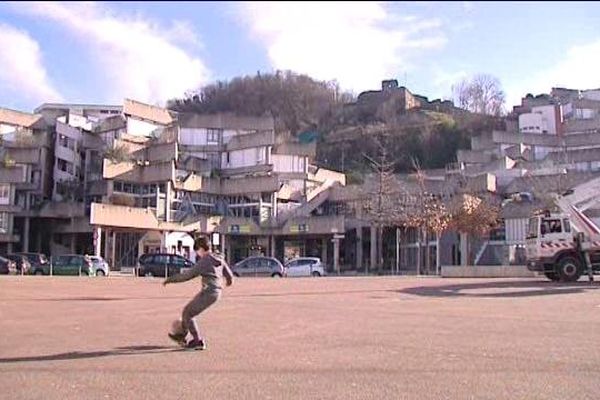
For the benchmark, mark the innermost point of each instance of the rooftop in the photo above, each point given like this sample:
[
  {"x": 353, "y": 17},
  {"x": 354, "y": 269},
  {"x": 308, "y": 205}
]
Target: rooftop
[
  {"x": 147, "y": 112},
  {"x": 18, "y": 118},
  {"x": 65, "y": 106}
]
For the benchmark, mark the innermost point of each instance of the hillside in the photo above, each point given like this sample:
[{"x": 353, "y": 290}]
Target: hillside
[{"x": 346, "y": 128}]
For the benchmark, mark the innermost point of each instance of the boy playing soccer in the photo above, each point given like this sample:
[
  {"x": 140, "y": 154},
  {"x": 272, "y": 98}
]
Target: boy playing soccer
[{"x": 212, "y": 270}]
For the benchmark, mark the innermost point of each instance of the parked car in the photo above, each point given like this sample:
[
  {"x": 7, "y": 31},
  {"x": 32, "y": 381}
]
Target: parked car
[
  {"x": 39, "y": 263},
  {"x": 7, "y": 267},
  {"x": 100, "y": 266},
  {"x": 259, "y": 266},
  {"x": 305, "y": 266},
  {"x": 23, "y": 264},
  {"x": 158, "y": 264},
  {"x": 72, "y": 264}
]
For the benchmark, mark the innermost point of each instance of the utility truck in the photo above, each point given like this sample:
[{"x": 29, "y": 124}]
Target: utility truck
[{"x": 564, "y": 243}]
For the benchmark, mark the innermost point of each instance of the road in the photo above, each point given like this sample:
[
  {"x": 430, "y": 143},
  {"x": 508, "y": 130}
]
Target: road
[{"x": 319, "y": 338}]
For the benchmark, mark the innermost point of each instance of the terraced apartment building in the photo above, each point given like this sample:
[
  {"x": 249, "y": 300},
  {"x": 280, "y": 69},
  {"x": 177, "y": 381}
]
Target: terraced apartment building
[{"x": 120, "y": 181}]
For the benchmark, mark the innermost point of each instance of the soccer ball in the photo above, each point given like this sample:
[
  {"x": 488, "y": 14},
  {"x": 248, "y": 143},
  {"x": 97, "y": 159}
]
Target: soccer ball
[{"x": 176, "y": 327}]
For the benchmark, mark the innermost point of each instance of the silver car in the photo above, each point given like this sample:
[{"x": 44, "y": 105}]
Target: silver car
[
  {"x": 305, "y": 266},
  {"x": 100, "y": 266},
  {"x": 259, "y": 266}
]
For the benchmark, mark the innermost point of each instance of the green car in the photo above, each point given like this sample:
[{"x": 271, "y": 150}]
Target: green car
[{"x": 72, "y": 265}]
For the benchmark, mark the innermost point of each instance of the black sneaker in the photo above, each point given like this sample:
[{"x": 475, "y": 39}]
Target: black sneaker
[
  {"x": 179, "y": 339},
  {"x": 196, "y": 345}
]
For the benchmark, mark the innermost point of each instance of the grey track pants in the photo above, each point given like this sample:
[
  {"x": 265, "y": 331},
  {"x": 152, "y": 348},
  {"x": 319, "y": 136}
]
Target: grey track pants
[{"x": 199, "y": 303}]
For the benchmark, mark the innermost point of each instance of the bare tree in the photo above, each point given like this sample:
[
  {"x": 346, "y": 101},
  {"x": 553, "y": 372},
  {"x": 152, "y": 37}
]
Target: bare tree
[
  {"x": 481, "y": 94},
  {"x": 428, "y": 214},
  {"x": 382, "y": 205}
]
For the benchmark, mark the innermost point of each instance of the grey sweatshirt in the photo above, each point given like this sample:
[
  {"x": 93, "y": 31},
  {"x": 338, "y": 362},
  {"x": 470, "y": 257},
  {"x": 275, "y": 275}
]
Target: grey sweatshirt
[{"x": 211, "y": 268}]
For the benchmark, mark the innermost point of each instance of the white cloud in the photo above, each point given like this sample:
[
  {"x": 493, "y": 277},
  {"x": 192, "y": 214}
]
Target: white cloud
[
  {"x": 22, "y": 72},
  {"x": 359, "y": 44},
  {"x": 136, "y": 58},
  {"x": 579, "y": 69}
]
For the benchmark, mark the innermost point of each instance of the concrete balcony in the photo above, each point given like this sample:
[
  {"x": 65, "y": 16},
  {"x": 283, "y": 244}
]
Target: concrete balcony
[
  {"x": 324, "y": 175},
  {"x": 326, "y": 225},
  {"x": 63, "y": 176},
  {"x": 480, "y": 184},
  {"x": 226, "y": 121},
  {"x": 67, "y": 154},
  {"x": 250, "y": 140},
  {"x": 9, "y": 238},
  {"x": 27, "y": 138},
  {"x": 162, "y": 152},
  {"x": 132, "y": 172},
  {"x": 136, "y": 218},
  {"x": 197, "y": 183},
  {"x": 13, "y": 174},
  {"x": 147, "y": 112},
  {"x": 190, "y": 182},
  {"x": 206, "y": 148},
  {"x": 29, "y": 186},
  {"x": 24, "y": 155},
  {"x": 9, "y": 208},
  {"x": 229, "y": 186},
  {"x": 473, "y": 157},
  {"x": 239, "y": 226},
  {"x": 248, "y": 170},
  {"x": 61, "y": 210},
  {"x": 249, "y": 185},
  {"x": 296, "y": 149},
  {"x": 195, "y": 164},
  {"x": 19, "y": 118},
  {"x": 512, "y": 138}
]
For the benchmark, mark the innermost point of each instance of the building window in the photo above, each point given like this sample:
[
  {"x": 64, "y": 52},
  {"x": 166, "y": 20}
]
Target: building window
[
  {"x": 66, "y": 141},
  {"x": 213, "y": 135},
  {"x": 64, "y": 166},
  {"x": 259, "y": 155},
  {"x": 4, "y": 194},
  {"x": 3, "y": 222}
]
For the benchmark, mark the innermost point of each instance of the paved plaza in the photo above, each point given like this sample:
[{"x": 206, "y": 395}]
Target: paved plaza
[{"x": 320, "y": 338}]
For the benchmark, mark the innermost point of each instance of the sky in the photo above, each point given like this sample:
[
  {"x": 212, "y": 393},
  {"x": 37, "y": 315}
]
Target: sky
[{"x": 95, "y": 52}]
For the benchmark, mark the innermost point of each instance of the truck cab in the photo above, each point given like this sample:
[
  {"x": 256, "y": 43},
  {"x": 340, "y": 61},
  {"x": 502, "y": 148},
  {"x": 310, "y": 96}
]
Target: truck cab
[{"x": 551, "y": 247}]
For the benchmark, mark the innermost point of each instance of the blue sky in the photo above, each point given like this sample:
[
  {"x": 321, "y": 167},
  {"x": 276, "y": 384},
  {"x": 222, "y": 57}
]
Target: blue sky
[{"x": 103, "y": 52}]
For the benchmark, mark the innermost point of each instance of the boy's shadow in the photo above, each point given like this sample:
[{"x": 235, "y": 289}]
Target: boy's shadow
[{"x": 76, "y": 355}]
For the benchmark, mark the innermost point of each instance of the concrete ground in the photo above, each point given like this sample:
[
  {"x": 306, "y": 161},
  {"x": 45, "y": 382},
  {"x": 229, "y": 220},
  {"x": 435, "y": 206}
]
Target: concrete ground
[{"x": 323, "y": 338}]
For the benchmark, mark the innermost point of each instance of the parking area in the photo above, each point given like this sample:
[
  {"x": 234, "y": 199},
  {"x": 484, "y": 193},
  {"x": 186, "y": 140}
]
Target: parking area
[{"x": 305, "y": 338}]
